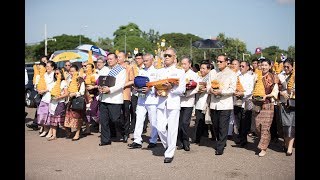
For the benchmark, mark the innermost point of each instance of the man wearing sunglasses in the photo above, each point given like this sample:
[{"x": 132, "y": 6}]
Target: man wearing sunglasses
[
  {"x": 221, "y": 103},
  {"x": 168, "y": 109}
]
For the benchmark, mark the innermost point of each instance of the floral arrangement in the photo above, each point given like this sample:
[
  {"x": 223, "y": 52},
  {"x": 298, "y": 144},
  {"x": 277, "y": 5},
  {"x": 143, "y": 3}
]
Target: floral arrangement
[
  {"x": 259, "y": 91},
  {"x": 56, "y": 91},
  {"x": 42, "y": 83},
  {"x": 215, "y": 84},
  {"x": 36, "y": 72},
  {"x": 239, "y": 86},
  {"x": 73, "y": 87}
]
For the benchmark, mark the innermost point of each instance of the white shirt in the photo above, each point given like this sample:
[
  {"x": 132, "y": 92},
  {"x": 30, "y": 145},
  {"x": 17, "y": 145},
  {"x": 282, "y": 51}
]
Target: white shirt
[
  {"x": 247, "y": 82},
  {"x": 201, "y": 98},
  {"x": 188, "y": 99},
  {"x": 172, "y": 101},
  {"x": 49, "y": 79},
  {"x": 54, "y": 103},
  {"x": 151, "y": 97},
  {"x": 228, "y": 80},
  {"x": 282, "y": 77},
  {"x": 26, "y": 79},
  {"x": 115, "y": 96}
]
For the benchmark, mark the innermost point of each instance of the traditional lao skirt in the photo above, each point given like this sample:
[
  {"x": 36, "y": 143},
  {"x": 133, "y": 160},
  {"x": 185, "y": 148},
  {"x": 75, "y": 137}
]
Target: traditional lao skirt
[
  {"x": 57, "y": 119},
  {"x": 43, "y": 114}
]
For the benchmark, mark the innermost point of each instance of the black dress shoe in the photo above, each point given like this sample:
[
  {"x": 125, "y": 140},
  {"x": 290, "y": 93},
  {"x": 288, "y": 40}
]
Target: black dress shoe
[
  {"x": 168, "y": 160},
  {"x": 218, "y": 152},
  {"x": 33, "y": 126},
  {"x": 124, "y": 138},
  {"x": 152, "y": 145},
  {"x": 186, "y": 146},
  {"x": 180, "y": 146},
  {"x": 135, "y": 145},
  {"x": 243, "y": 144},
  {"x": 104, "y": 144},
  {"x": 197, "y": 141}
]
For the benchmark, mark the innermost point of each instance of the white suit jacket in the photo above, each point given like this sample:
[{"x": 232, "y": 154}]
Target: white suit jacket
[{"x": 172, "y": 101}]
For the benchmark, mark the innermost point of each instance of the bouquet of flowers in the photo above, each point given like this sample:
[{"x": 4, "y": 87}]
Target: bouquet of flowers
[
  {"x": 42, "y": 83},
  {"x": 259, "y": 91},
  {"x": 215, "y": 84},
  {"x": 73, "y": 86},
  {"x": 56, "y": 91}
]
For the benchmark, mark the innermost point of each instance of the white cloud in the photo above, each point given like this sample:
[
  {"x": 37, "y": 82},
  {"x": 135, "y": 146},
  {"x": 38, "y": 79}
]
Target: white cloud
[{"x": 286, "y": 1}]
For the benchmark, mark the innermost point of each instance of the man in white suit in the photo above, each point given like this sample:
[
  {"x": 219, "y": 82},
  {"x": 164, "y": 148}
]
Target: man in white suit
[{"x": 168, "y": 109}]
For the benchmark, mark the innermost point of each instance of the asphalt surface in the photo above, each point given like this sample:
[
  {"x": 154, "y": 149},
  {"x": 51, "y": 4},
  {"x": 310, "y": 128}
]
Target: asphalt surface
[{"x": 85, "y": 159}]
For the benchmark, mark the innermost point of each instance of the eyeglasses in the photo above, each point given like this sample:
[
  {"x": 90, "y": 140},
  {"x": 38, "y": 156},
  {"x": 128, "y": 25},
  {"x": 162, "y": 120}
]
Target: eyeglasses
[
  {"x": 242, "y": 66},
  {"x": 56, "y": 73},
  {"x": 169, "y": 55},
  {"x": 220, "y": 61}
]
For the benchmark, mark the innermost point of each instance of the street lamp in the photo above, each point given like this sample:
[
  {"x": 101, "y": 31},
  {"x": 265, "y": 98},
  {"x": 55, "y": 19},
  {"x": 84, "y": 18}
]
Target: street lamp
[
  {"x": 125, "y": 41},
  {"x": 81, "y": 33},
  {"x": 46, "y": 40}
]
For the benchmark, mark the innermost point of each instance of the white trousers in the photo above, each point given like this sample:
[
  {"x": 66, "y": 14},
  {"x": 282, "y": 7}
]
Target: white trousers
[
  {"x": 168, "y": 136},
  {"x": 141, "y": 112}
]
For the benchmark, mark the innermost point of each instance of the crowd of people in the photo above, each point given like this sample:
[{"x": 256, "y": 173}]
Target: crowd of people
[{"x": 228, "y": 97}]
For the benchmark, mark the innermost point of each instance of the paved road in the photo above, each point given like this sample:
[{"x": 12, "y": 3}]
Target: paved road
[{"x": 84, "y": 159}]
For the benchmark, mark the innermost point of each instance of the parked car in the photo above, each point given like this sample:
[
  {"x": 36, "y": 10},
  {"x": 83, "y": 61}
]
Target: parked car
[{"x": 30, "y": 92}]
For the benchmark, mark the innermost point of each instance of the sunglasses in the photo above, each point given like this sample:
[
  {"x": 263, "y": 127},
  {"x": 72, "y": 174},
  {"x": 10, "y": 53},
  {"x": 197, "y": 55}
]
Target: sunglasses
[
  {"x": 242, "y": 66},
  {"x": 56, "y": 73},
  {"x": 220, "y": 61},
  {"x": 67, "y": 65},
  {"x": 286, "y": 66},
  {"x": 84, "y": 65},
  {"x": 167, "y": 55}
]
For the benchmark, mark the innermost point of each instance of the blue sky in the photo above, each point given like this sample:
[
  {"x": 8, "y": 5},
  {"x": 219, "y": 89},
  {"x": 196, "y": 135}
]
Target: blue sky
[{"x": 259, "y": 23}]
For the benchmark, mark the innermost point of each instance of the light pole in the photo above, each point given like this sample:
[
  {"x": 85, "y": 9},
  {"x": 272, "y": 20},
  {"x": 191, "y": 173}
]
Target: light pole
[
  {"x": 81, "y": 33},
  {"x": 46, "y": 40},
  {"x": 125, "y": 41}
]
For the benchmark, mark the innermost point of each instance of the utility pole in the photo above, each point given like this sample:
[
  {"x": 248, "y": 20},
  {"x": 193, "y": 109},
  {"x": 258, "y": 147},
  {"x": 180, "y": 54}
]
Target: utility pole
[{"x": 46, "y": 40}]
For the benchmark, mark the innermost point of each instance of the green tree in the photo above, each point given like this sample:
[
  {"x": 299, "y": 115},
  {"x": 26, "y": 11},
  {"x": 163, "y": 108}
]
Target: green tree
[
  {"x": 233, "y": 47},
  {"x": 63, "y": 42},
  {"x": 151, "y": 36},
  {"x": 105, "y": 44},
  {"x": 292, "y": 52}
]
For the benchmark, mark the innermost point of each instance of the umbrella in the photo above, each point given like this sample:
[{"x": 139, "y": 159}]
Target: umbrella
[
  {"x": 94, "y": 49},
  {"x": 84, "y": 57},
  {"x": 208, "y": 44},
  {"x": 66, "y": 56}
]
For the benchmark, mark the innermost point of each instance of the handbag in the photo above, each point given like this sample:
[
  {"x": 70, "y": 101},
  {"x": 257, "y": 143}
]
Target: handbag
[{"x": 78, "y": 103}]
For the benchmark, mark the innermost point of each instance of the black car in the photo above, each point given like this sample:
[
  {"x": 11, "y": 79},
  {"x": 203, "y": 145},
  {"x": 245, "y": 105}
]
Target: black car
[{"x": 30, "y": 92}]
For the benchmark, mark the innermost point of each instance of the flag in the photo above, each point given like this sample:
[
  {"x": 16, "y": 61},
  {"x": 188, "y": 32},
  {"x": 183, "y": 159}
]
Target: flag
[
  {"x": 258, "y": 50},
  {"x": 283, "y": 57}
]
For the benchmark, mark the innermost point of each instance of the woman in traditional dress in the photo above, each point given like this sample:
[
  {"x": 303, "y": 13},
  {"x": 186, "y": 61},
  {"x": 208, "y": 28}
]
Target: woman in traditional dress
[
  {"x": 287, "y": 91},
  {"x": 44, "y": 84},
  {"x": 57, "y": 107},
  {"x": 74, "y": 118},
  {"x": 264, "y": 114}
]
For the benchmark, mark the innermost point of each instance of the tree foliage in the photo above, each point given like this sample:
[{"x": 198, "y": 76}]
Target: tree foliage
[{"x": 146, "y": 41}]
